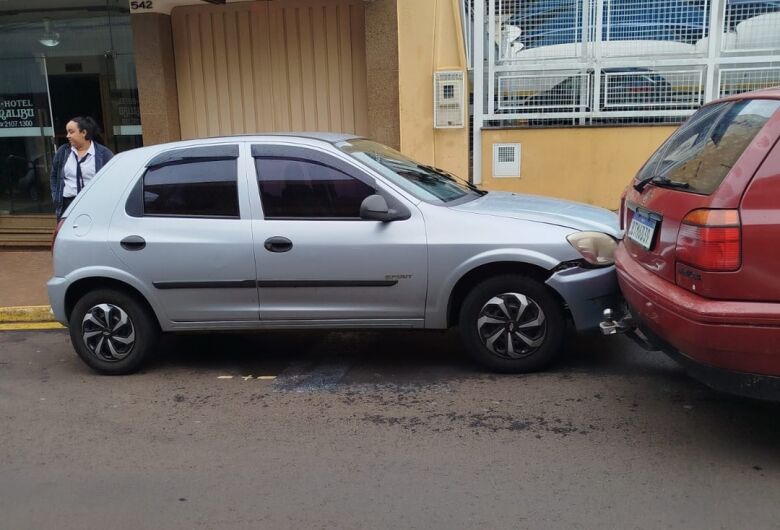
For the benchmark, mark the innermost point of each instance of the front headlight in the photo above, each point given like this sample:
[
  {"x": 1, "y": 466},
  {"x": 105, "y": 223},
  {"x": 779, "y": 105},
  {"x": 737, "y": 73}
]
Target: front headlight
[{"x": 596, "y": 247}]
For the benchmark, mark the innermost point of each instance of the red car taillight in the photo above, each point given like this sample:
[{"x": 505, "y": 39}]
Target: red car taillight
[
  {"x": 710, "y": 240},
  {"x": 56, "y": 231}
]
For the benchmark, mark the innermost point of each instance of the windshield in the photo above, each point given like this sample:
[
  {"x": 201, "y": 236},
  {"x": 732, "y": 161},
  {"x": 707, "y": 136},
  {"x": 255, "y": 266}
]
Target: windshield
[
  {"x": 704, "y": 149},
  {"x": 424, "y": 182}
]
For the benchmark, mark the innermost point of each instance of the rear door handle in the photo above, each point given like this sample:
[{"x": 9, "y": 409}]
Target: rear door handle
[
  {"x": 278, "y": 244},
  {"x": 133, "y": 243}
]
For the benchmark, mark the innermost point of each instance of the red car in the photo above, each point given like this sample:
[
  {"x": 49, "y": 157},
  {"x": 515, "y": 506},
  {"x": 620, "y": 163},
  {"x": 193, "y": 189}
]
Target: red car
[{"x": 699, "y": 265}]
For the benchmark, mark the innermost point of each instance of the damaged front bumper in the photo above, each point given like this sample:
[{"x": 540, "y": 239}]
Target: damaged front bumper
[{"x": 586, "y": 292}]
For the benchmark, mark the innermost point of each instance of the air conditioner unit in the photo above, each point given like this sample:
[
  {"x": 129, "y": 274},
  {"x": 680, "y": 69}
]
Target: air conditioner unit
[{"x": 448, "y": 99}]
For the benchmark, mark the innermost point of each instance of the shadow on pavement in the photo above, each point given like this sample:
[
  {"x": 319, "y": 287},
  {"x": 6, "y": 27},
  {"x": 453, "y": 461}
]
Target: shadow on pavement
[
  {"x": 393, "y": 353},
  {"x": 397, "y": 356}
]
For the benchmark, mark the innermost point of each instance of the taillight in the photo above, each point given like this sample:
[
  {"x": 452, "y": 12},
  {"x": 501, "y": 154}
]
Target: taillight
[
  {"x": 56, "y": 231},
  {"x": 710, "y": 240}
]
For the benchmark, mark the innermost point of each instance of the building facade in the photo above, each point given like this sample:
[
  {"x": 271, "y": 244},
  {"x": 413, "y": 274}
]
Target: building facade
[
  {"x": 155, "y": 71},
  {"x": 558, "y": 97}
]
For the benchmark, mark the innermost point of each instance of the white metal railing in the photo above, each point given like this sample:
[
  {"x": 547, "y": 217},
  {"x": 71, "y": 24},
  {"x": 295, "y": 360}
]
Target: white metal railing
[
  {"x": 629, "y": 60},
  {"x": 735, "y": 80},
  {"x": 467, "y": 18},
  {"x": 750, "y": 26}
]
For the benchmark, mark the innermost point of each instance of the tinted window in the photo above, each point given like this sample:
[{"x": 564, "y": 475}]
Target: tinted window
[
  {"x": 292, "y": 187},
  {"x": 195, "y": 189},
  {"x": 703, "y": 151}
]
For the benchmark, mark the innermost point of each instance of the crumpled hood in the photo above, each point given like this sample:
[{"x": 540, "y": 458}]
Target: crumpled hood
[{"x": 560, "y": 212}]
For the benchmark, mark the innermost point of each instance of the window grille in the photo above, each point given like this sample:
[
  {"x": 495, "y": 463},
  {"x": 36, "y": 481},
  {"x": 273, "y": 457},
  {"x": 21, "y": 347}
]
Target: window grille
[
  {"x": 736, "y": 80},
  {"x": 645, "y": 88},
  {"x": 506, "y": 160},
  {"x": 652, "y": 27},
  {"x": 563, "y": 91},
  {"x": 751, "y": 25},
  {"x": 506, "y": 154},
  {"x": 580, "y": 62},
  {"x": 530, "y": 30}
]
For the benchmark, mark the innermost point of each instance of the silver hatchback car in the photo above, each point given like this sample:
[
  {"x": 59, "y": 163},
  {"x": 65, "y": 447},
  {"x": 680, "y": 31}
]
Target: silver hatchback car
[{"x": 321, "y": 231}]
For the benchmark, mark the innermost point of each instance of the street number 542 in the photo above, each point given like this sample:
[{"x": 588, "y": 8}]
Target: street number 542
[{"x": 141, "y": 4}]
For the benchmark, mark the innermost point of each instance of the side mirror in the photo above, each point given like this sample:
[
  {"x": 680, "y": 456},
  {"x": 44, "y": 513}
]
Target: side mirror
[{"x": 375, "y": 207}]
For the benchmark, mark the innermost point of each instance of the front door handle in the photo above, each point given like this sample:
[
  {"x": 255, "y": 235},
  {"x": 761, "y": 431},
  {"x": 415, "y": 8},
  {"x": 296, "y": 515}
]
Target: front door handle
[
  {"x": 278, "y": 244},
  {"x": 133, "y": 243}
]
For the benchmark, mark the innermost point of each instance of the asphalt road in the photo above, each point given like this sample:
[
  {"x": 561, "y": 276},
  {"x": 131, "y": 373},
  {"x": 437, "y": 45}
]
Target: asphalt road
[{"x": 372, "y": 431}]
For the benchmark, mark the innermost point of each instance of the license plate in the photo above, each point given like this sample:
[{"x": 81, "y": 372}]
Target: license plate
[{"x": 642, "y": 230}]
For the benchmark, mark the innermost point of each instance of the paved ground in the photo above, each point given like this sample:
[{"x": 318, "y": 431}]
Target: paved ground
[{"x": 374, "y": 430}]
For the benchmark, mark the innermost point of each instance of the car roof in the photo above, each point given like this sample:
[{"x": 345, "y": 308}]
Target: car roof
[
  {"x": 764, "y": 93},
  {"x": 330, "y": 137},
  {"x": 303, "y": 137}
]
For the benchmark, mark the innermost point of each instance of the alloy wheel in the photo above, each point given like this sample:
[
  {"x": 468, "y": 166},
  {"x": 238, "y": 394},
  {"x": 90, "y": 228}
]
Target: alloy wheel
[
  {"x": 511, "y": 325},
  {"x": 108, "y": 332}
]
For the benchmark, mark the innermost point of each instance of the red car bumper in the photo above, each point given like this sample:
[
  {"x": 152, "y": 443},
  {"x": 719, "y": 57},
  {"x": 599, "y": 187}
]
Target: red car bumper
[{"x": 734, "y": 336}]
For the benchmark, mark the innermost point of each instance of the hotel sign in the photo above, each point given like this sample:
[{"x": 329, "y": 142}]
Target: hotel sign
[
  {"x": 18, "y": 111},
  {"x": 125, "y": 103}
]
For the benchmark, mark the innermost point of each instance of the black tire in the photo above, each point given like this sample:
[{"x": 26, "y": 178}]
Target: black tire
[
  {"x": 535, "y": 334},
  {"x": 112, "y": 356}
]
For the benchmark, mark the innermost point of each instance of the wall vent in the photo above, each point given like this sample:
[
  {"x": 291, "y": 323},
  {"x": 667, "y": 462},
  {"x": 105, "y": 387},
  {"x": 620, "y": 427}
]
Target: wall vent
[
  {"x": 448, "y": 99},
  {"x": 506, "y": 160}
]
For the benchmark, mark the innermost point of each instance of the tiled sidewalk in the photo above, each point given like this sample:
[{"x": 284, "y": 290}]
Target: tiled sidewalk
[
  {"x": 24, "y": 303},
  {"x": 23, "y": 277}
]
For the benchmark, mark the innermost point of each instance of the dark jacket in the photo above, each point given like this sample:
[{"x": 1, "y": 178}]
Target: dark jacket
[{"x": 57, "y": 178}]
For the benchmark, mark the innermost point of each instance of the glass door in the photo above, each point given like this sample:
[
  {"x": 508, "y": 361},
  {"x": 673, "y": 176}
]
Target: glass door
[
  {"x": 26, "y": 137},
  {"x": 102, "y": 87},
  {"x": 59, "y": 60}
]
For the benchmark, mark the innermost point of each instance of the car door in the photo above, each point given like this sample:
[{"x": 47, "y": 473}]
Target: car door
[
  {"x": 185, "y": 232},
  {"x": 317, "y": 260}
]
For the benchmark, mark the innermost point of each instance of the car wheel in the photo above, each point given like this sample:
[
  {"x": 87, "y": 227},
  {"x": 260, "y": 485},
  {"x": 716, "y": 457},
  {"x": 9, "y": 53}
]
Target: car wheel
[
  {"x": 512, "y": 324},
  {"x": 112, "y": 331}
]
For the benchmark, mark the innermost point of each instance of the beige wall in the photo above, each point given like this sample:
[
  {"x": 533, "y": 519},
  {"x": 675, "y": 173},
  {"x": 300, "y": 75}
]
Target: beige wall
[
  {"x": 429, "y": 39},
  {"x": 382, "y": 70},
  {"x": 248, "y": 67},
  {"x": 590, "y": 165},
  {"x": 157, "y": 95}
]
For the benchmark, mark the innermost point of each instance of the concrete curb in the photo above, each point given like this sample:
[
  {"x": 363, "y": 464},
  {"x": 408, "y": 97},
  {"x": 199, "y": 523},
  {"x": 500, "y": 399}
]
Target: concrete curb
[
  {"x": 30, "y": 313},
  {"x": 30, "y": 326}
]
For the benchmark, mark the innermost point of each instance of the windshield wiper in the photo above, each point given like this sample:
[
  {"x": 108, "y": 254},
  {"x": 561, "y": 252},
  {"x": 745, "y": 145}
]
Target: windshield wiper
[
  {"x": 660, "y": 181},
  {"x": 453, "y": 178},
  {"x": 438, "y": 171},
  {"x": 642, "y": 184},
  {"x": 666, "y": 181}
]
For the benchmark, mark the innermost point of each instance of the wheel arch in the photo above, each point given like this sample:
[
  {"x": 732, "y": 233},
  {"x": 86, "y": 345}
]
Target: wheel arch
[
  {"x": 478, "y": 274},
  {"x": 84, "y": 285}
]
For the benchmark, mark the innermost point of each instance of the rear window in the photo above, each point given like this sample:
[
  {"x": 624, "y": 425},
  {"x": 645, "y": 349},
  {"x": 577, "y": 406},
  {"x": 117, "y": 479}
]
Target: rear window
[
  {"x": 702, "y": 152},
  {"x": 195, "y": 189}
]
